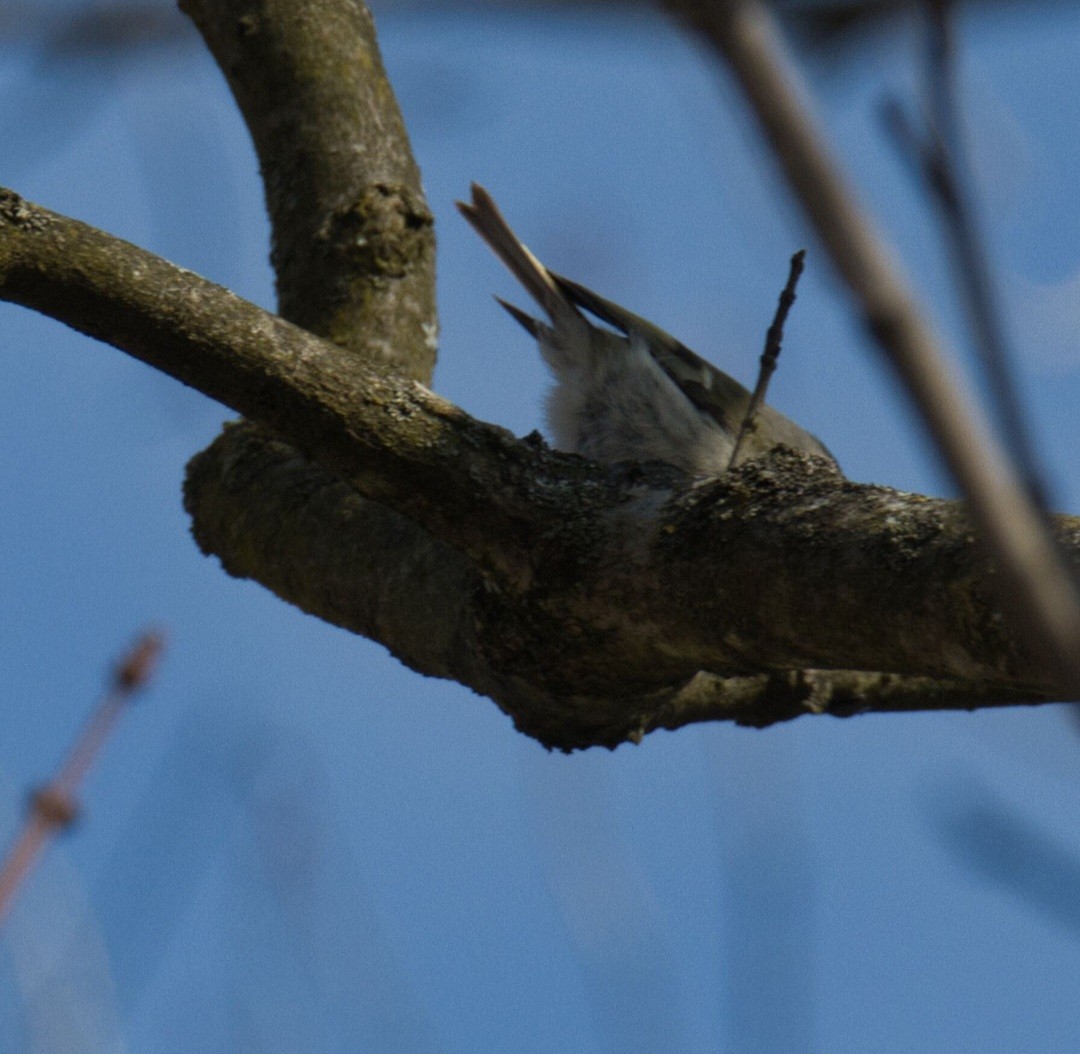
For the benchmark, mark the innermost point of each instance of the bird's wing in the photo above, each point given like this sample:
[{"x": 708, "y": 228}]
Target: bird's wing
[{"x": 711, "y": 390}]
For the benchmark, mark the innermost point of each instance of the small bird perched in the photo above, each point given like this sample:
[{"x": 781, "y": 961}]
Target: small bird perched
[{"x": 632, "y": 395}]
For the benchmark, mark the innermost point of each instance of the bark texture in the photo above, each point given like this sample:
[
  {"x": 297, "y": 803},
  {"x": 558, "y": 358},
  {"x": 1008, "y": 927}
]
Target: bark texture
[
  {"x": 353, "y": 241},
  {"x": 584, "y": 599}
]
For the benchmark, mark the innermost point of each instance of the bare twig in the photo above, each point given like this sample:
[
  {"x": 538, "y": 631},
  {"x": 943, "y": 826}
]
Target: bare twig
[
  {"x": 1036, "y": 589},
  {"x": 54, "y": 807},
  {"x": 938, "y": 158},
  {"x": 969, "y": 251},
  {"x": 773, "y": 340}
]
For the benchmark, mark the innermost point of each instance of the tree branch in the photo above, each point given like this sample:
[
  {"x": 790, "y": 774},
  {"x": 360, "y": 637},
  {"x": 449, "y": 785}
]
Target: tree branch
[
  {"x": 948, "y": 177},
  {"x": 766, "y": 698},
  {"x": 590, "y": 594},
  {"x": 354, "y": 255},
  {"x": 353, "y": 239}
]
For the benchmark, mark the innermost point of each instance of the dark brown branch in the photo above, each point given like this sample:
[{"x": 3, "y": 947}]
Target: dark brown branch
[
  {"x": 1037, "y": 589},
  {"x": 447, "y": 622}
]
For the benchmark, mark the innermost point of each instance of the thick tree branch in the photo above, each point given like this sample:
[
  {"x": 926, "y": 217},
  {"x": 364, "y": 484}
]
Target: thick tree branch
[
  {"x": 353, "y": 239},
  {"x": 317, "y": 393},
  {"x": 440, "y": 617},
  {"x": 354, "y": 256},
  {"x": 594, "y": 593}
]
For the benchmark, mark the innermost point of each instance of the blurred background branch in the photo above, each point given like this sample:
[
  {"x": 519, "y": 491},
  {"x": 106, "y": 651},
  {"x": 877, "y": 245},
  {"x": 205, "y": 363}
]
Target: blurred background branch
[
  {"x": 55, "y": 806},
  {"x": 1037, "y": 591},
  {"x": 935, "y": 152},
  {"x": 117, "y": 26}
]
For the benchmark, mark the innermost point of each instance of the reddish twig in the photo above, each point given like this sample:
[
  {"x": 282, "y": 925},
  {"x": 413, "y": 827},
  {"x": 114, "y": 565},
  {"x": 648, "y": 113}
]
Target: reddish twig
[{"x": 54, "y": 807}]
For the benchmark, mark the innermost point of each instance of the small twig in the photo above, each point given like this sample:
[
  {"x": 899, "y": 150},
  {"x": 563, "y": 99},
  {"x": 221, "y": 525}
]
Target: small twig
[
  {"x": 54, "y": 807},
  {"x": 969, "y": 251},
  {"x": 937, "y": 156},
  {"x": 773, "y": 340}
]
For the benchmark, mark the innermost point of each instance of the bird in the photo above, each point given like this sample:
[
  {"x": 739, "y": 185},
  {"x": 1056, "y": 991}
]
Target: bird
[{"x": 630, "y": 392}]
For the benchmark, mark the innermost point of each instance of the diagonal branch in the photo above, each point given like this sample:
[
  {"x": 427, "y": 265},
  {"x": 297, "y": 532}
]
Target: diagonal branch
[
  {"x": 950, "y": 184},
  {"x": 322, "y": 396},
  {"x": 1038, "y": 590}
]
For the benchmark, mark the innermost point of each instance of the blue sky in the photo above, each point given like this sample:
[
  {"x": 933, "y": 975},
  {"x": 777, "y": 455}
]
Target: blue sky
[{"x": 296, "y": 844}]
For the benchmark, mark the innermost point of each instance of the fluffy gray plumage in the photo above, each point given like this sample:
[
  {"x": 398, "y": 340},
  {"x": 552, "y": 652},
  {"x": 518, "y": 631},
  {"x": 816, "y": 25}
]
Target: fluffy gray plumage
[{"x": 632, "y": 395}]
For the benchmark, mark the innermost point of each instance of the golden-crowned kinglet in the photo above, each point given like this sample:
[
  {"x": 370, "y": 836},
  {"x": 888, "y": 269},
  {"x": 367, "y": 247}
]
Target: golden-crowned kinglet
[{"x": 635, "y": 395}]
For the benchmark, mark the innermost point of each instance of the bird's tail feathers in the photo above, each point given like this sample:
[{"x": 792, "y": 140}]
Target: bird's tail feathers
[
  {"x": 485, "y": 218},
  {"x": 533, "y": 326}
]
